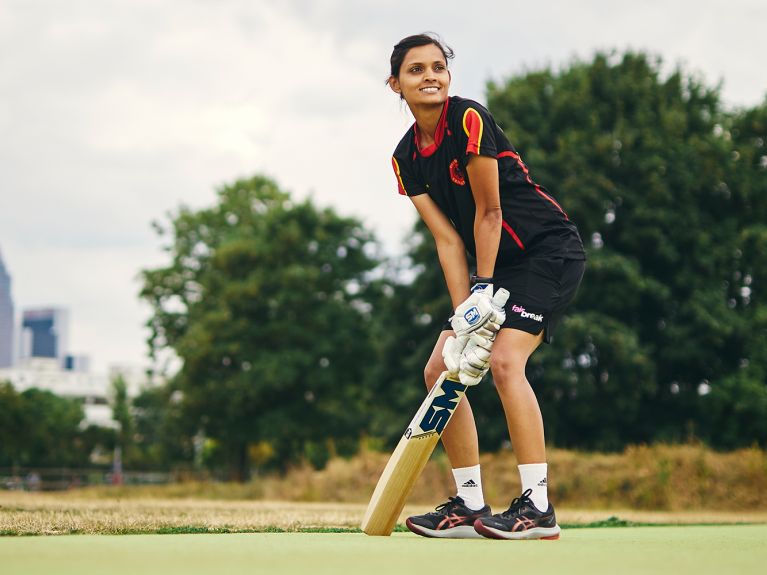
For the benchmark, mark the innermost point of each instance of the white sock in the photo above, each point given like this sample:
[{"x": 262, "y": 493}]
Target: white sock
[
  {"x": 533, "y": 476},
  {"x": 469, "y": 485}
]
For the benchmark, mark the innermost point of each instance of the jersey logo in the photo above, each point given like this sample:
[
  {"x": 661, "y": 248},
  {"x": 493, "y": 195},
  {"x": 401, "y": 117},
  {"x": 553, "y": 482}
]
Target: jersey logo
[{"x": 456, "y": 174}]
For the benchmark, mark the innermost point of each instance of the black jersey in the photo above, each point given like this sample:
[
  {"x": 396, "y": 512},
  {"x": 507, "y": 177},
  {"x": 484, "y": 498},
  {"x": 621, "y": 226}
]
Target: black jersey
[{"x": 534, "y": 224}]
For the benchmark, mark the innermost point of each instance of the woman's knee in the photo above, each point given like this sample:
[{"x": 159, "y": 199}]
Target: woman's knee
[
  {"x": 432, "y": 371},
  {"x": 507, "y": 368}
]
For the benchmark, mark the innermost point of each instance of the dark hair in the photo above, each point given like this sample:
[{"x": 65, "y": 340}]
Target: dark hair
[{"x": 403, "y": 46}]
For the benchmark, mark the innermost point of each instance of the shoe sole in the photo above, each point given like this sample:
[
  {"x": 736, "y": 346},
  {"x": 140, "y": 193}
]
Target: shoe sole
[
  {"x": 547, "y": 533},
  {"x": 461, "y": 532}
]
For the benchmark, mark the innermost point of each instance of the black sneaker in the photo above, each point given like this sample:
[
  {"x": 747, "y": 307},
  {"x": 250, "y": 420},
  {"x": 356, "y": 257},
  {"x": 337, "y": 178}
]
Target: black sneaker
[
  {"x": 451, "y": 519},
  {"x": 522, "y": 520}
]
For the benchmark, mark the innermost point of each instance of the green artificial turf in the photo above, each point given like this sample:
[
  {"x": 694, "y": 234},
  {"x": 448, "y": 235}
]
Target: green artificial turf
[{"x": 679, "y": 550}]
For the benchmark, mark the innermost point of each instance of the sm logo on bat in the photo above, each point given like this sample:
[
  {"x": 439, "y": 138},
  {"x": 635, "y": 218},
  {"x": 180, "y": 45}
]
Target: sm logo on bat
[{"x": 442, "y": 407}]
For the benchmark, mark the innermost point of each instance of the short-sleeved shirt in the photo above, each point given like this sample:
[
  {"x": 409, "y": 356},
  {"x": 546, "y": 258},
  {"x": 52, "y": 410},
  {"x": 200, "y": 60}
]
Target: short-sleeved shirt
[{"x": 534, "y": 223}]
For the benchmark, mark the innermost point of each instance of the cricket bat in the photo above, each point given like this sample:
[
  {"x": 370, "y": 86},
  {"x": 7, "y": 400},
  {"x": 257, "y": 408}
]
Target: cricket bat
[{"x": 410, "y": 456}]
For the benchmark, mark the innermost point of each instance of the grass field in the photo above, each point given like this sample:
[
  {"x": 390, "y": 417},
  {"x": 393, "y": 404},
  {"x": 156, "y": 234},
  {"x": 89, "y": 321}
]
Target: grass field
[
  {"x": 690, "y": 549},
  {"x": 81, "y": 513}
]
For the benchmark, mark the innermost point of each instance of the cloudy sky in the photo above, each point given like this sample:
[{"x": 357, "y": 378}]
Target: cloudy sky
[{"x": 114, "y": 112}]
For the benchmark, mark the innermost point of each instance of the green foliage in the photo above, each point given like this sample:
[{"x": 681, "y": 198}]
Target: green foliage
[
  {"x": 597, "y": 363},
  {"x": 265, "y": 303},
  {"x": 162, "y": 438},
  {"x": 12, "y": 419},
  {"x": 669, "y": 190},
  {"x": 409, "y": 318},
  {"x": 122, "y": 415},
  {"x": 38, "y": 428}
]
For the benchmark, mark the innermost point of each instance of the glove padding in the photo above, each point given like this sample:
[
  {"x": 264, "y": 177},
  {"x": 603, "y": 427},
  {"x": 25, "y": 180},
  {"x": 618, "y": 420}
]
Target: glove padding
[
  {"x": 452, "y": 352},
  {"x": 468, "y": 356},
  {"x": 475, "y": 359},
  {"x": 480, "y": 309}
]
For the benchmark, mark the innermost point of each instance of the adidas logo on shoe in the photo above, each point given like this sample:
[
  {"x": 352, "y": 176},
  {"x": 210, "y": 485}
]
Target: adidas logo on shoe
[
  {"x": 469, "y": 483},
  {"x": 542, "y": 482}
]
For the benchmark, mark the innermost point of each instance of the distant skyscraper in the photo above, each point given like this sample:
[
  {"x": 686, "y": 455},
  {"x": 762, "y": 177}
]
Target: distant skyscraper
[
  {"x": 6, "y": 317},
  {"x": 45, "y": 333}
]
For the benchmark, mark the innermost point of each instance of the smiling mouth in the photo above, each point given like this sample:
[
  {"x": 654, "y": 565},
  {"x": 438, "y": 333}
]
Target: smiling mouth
[{"x": 430, "y": 89}]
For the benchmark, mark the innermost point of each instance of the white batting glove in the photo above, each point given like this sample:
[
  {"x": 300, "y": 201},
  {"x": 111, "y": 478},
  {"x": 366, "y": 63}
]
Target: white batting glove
[
  {"x": 480, "y": 309},
  {"x": 452, "y": 351},
  {"x": 475, "y": 360}
]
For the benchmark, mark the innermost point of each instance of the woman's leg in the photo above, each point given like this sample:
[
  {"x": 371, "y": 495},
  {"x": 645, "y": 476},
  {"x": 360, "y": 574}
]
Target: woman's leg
[
  {"x": 460, "y": 436},
  {"x": 456, "y": 517},
  {"x": 511, "y": 350},
  {"x": 530, "y": 516}
]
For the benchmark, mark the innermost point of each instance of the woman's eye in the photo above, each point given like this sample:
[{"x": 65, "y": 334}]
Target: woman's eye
[{"x": 415, "y": 69}]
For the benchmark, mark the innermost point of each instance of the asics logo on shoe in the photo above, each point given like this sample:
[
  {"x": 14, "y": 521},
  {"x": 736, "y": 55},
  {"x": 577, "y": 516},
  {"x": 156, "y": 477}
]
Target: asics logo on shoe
[
  {"x": 469, "y": 483},
  {"x": 542, "y": 482},
  {"x": 523, "y": 524},
  {"x": 453, "y": 520}
]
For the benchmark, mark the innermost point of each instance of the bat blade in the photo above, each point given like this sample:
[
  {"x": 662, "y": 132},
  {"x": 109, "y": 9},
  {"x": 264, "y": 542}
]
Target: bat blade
[{"x": 410, "y": 456}]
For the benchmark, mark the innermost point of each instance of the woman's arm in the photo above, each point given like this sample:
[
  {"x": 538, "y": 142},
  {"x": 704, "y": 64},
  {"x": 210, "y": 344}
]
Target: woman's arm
[
  {"x": 450, "y": 247},
  {"x": 483, "y": 175}
]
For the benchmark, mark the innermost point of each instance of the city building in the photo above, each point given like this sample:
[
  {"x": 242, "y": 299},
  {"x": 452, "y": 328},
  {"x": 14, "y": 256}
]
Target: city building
[
  {"x": 93, "y": 391},
  {"x": 35, "y": 354},
  {"x": 6, "y": 317},
  {"x": 81, "y": 363},
  {"x": 46, "y": 374},
  {"x": 45, "y": 333}
]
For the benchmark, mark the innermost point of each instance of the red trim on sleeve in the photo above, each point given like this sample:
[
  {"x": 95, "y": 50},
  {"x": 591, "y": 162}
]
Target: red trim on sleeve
[
  {"x": 473, "y": 126},
  {"x": 397, "y": 173},
  {"x": 523, "y": 167}
]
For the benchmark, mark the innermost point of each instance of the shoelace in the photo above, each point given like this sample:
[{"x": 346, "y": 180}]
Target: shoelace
[
  {"x": 448, "y": 505},
  {"x": 517, "y": 503}
]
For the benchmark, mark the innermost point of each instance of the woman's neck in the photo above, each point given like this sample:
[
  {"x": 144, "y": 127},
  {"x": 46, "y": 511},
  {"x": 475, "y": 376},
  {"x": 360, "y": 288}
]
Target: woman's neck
[{"x": 427, "y": 119}]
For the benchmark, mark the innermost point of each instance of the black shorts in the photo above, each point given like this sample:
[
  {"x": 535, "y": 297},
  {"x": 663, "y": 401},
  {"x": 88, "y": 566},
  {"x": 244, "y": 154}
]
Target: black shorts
[{"x": 539, "y": 292}]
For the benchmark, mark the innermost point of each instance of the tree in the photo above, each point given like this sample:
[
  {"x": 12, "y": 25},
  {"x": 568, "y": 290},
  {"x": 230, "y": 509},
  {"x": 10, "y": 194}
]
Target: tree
[
  {"x": 264, "y": 302},
  {"x": 163, "y": 436},
  {"x": 121, "y": 413},
  {"x": 409, "y": 316},
  {"x": 38, "y": 428},
  {"x": 11, "y": 421},
  {"x": 649, "y": 169},
  {"x": 735, "y": 410}
]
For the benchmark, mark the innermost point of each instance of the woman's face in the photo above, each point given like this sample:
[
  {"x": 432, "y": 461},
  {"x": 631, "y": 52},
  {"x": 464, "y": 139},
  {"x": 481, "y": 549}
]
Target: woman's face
[{"x": 423, "y": 77}]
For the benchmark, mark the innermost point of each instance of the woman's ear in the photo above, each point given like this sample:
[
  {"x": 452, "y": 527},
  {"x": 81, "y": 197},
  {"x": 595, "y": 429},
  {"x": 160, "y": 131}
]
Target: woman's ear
[{"x": 394, "y": 85}]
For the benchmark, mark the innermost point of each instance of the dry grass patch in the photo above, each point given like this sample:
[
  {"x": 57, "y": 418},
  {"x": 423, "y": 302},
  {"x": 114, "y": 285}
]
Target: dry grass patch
[
  {"x": 646, "y": 484},
  {"x": 658, "y": 477},
  {"x": 54, "y": 514}
]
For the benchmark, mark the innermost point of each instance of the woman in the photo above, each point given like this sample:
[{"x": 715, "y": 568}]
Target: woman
[{"x": 475, "y": 195}]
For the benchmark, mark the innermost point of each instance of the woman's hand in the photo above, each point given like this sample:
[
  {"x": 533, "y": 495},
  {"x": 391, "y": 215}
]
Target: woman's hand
[
  {"x": 469, "y": 354},
  {"x": 480, "y": 311}
]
